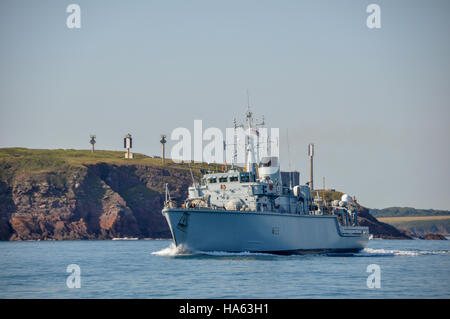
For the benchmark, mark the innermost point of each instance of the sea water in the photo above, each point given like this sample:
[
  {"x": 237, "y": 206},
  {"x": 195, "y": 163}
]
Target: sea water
[{"x": 156, "y": 269}]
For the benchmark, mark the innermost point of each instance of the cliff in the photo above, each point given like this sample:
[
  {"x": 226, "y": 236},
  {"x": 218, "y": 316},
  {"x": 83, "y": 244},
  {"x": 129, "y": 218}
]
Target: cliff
[
  {"x": 78, "y": 195},
  {"x": 73, "y": 194},
  {"x": 433, "y": 237},
  {"x": 377, "y": 228}
]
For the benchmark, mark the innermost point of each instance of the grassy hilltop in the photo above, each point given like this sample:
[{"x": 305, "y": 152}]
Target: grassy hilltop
[
  {"x": 40, "y": 160},
  {"x": 407, "y": 212},
  {"x": 418, "y": 222}
]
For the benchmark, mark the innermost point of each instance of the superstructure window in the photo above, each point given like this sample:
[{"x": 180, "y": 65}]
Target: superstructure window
[
  {"x": 269, "y": 162},
  {"x": 212, "y": 180},
  {"x": 245, "y": 178},
  {"x": 234, "y": 178},
  {"x": 223, "y": 179},
  {"x": 266, "y": 163}
]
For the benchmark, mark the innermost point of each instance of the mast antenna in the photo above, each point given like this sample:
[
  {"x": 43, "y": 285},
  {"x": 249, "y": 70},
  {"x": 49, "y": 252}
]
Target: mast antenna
[
  {"x": 192, "y": 175},
  {"x": 289, "y": 158},
  {"x": 248, "y": 101}
]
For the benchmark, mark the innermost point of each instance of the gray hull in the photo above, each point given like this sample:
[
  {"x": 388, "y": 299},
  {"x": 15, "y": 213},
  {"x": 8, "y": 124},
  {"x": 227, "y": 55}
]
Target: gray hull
[{"x": 233, "y": 231}]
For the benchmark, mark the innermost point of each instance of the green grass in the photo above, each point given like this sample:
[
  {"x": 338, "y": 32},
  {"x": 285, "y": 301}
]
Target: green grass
[
  {"x": 407, "y": 212},
  {"x": 36, "y": 161},
  {"x": 52, "y": 158}
]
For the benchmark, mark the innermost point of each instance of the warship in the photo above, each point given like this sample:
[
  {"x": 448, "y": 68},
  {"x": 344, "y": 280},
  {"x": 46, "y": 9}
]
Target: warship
[{"x": 261, "y": 209}]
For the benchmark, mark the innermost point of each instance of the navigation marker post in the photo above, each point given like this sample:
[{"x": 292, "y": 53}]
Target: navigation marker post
[
  {"x": 163, "y": 142},
  {"x": 128, "y": 144},
  {"x": 92, "y": 142}
]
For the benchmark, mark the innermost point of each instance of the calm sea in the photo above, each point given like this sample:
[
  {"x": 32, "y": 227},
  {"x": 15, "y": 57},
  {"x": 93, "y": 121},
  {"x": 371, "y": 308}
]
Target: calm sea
[{"x": 154, "y": 269}]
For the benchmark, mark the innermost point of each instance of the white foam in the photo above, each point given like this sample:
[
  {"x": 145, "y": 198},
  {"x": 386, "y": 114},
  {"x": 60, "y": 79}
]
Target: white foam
[
  {"x": 225, "y": 254},
  {"x": 173, "y": 250},
  {"x": 394, "y": 252}
]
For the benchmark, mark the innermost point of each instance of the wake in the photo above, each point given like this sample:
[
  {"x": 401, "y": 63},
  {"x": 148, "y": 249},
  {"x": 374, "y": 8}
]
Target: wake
[
  {"x": 173, "y": 251},
  {"x": 371, "y": 252}
]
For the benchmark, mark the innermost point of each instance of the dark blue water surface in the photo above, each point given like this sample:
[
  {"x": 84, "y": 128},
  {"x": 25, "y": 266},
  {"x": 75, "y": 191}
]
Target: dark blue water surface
[{"x": 154, "y": 269}]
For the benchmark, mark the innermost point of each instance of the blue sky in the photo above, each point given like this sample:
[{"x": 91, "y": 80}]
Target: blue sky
[{"x": 374, "y": 101}]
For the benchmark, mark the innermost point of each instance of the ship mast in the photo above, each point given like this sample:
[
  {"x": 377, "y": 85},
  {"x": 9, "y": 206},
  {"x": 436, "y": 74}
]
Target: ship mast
[
  {"x": 251, "y": 129},
  {"x": 249, "y": 142},
  {"x": 251, "y": 156}
]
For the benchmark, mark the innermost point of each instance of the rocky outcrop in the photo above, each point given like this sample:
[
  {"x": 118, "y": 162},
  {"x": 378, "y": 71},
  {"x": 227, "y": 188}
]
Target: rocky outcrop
[
  {"x": 433, "y": 237},
  {"x": 377, "y": 228},
  {"x": 98, "y": 201}
]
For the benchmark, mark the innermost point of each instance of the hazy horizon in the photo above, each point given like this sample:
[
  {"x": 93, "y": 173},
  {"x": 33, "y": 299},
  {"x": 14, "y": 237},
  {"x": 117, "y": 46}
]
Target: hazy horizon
[{"x": 375, "y": 102}]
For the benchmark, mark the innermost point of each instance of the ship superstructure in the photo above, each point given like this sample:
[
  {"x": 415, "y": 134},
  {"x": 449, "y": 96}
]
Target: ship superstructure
[{"x": 262, "y": 209}]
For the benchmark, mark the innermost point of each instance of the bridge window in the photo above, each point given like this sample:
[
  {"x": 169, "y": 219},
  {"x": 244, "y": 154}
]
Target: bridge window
[
  {"x": 245, "y": 178},
  {"x": 223, "y": 179},
  {"x": 267, "y": 163},
  {"x": 212, "y": 180},
  {"x": 234, "y": 178}
]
